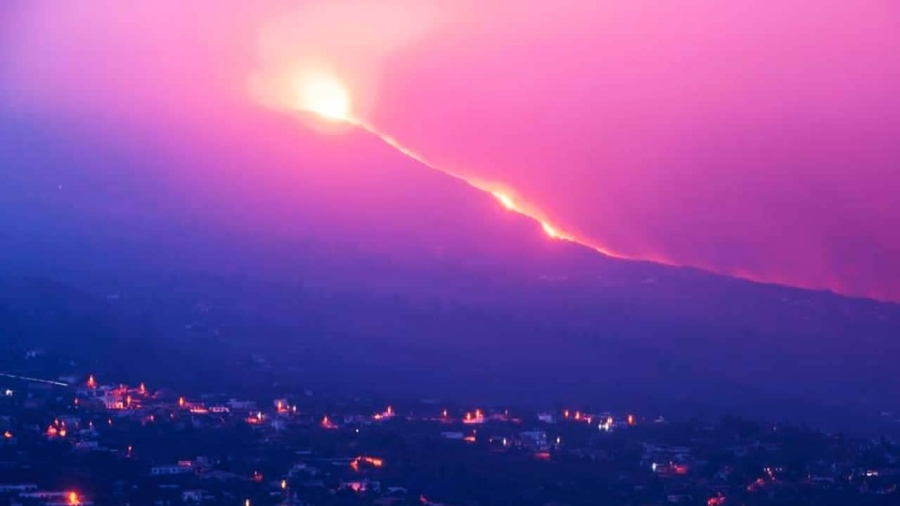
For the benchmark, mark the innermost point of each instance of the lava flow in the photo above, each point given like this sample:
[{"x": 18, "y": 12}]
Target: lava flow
[
  {"x": 503, "y": 198},
  {"x": 327, "y": 97}
]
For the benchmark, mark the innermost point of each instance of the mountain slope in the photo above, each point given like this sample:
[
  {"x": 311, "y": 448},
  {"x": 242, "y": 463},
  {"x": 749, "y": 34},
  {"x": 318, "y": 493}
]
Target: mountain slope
[
  {"x": 406, "y": 272},
  {"x": 264, "y": 176}
]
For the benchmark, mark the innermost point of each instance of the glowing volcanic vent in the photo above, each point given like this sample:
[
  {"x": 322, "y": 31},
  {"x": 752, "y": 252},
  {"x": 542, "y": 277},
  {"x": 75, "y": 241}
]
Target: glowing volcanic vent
[{"x": 326, "y": 96}]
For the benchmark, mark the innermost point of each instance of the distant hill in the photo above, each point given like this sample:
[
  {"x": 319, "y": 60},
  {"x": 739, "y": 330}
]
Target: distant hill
[
  {"x": 335, "y": 256},
  {"x": 75, "y": 332}
]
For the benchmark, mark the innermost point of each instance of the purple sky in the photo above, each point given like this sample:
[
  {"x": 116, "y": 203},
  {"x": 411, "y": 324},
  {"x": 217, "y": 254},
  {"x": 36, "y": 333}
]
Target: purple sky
[{"x": 756, "y": 138}]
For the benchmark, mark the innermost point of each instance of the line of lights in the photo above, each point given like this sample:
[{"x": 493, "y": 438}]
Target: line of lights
[{"x": 35, "y": 380}]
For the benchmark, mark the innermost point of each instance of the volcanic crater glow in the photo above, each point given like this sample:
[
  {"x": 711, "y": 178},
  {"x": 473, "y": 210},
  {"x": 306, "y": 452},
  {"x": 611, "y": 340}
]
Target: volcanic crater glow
[{"x": 326, "y": 96}]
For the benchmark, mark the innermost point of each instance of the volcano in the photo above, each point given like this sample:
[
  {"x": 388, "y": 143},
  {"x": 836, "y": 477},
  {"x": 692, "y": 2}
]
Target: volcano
[{"x": 340, "y": 248}]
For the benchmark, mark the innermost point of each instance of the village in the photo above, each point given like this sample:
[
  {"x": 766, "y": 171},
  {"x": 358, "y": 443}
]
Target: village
[{"x": 84, "y": 441}]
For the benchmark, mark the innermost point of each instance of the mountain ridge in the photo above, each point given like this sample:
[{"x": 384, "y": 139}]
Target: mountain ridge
[{"x": 245, "y": 204}]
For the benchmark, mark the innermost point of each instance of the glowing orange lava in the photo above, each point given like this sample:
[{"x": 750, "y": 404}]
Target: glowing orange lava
[
  {"x": 505, "y": 200},
  {"x": 550, "y": 231},
  {"x": 328, "y": 97}
]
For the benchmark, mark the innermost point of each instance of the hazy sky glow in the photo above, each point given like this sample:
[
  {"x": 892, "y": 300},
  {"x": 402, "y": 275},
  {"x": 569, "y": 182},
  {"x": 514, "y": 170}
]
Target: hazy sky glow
[{"x": 756, "y": 138}]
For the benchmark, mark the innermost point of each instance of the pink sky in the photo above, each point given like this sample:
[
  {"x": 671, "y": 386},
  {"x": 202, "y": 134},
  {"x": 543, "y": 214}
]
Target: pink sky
[{"x": 747, "y": 137}]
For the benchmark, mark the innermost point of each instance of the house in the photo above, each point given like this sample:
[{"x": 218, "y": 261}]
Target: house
[
  {"x": 71, "y": 421},
  {"x": 361, "y": 486},
  {"x": 195, "y": 496},
  {"x": 86, "y": 446},
  {"x": 534, "y": 440},
  {"x": 222, "y": 476},
  {"x": 170, "y": 470}
]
